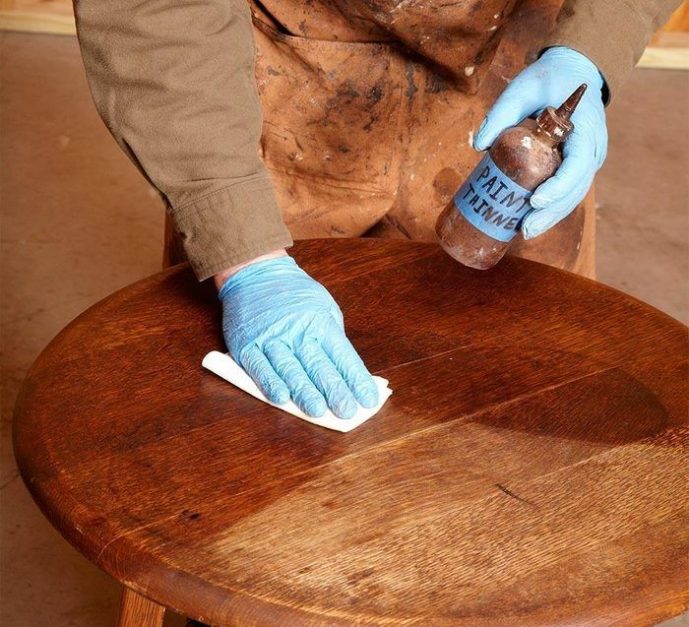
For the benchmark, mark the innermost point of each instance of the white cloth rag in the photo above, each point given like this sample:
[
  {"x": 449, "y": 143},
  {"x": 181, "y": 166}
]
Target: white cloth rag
[{"x": 224, "y": 366}]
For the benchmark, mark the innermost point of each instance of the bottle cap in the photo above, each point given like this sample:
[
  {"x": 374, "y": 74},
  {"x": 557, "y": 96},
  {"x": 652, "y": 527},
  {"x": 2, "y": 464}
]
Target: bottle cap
[{"x": 556, "y": 122}]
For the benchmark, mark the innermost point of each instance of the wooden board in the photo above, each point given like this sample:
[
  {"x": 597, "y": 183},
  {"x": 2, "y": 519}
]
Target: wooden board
[
  {"x": 670, "y": 51},
  {"x": 55, "y": 17},
  {"x": 531, "y": 467},
  {"x": 43, "y": 23}
]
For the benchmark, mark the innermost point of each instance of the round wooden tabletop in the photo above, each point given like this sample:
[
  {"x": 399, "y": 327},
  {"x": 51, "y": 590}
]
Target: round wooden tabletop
[{"x": 531, "y": 467}]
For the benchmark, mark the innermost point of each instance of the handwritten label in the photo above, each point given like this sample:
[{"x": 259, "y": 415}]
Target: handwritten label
[{"x": 493, "y": 202}]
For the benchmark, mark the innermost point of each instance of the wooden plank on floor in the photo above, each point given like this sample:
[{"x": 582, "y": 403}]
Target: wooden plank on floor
[
  {"x": 54, "y": 17},
  {"x": 30, "y": 22},
  {"x": 665, "y": 59},
  {"x": 670, "y": 51}
]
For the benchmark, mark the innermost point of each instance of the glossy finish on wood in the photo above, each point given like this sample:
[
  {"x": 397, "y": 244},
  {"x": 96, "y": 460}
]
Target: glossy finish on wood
[{"x": 531, "y": 467}]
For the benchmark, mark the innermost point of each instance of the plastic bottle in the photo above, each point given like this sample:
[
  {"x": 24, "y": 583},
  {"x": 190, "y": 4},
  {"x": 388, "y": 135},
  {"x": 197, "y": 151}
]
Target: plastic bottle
[{"x": 477, "y": 226}]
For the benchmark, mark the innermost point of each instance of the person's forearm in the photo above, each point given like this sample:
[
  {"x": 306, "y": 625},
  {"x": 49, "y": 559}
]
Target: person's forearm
[
  {"x": 220, "y": 278},
  {"x": 612, "y": 33},
  {"x": 175, "y": 85}
]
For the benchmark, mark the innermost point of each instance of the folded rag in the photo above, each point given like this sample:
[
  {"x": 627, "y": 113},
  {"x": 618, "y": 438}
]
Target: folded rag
[{"x": 224, "y": 366}]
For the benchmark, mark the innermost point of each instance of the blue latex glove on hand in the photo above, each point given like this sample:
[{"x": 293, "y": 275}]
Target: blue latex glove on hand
[
  {"x": 548, "y": 82},
  {"x": 287, "y": 332}
]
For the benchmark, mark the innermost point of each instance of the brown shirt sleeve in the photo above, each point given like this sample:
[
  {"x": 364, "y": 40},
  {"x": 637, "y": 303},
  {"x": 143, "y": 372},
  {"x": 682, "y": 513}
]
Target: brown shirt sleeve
[
  {"x": 174, "y": 83},
  {"x": 612, "y": 33}
]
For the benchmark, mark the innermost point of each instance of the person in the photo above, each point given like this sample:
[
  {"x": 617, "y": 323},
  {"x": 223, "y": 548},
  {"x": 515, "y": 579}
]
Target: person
[{"x": 369, "y": 108}]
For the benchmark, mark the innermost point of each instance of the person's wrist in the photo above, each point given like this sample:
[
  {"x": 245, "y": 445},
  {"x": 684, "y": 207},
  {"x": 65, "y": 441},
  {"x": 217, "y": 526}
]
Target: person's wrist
[{"x": 222, "y": 276}]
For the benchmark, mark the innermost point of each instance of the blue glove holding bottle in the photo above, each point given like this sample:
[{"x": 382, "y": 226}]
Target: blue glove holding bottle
[
  {"x": 287, "y": 332},
  {"x": 548, "y": 82}
]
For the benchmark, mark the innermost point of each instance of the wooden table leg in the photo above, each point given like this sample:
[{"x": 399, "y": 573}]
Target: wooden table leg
[{"x": 138, "y": 611}]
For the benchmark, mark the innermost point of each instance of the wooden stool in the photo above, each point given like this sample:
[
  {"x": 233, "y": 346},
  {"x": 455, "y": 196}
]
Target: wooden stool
[{"x": 531, "y": 467}]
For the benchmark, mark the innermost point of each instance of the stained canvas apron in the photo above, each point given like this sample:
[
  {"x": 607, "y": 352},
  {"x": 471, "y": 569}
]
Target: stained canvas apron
[{"x": 369, "y": 108}]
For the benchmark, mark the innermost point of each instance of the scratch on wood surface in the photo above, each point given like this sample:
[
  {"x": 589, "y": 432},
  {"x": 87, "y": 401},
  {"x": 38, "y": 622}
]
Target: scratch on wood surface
[
  {"x": 10, "y": 480},
  {"x": 383, "y": 371},
  {"x": 514, "y": 496},
  {"x": 129, "y": 532}
]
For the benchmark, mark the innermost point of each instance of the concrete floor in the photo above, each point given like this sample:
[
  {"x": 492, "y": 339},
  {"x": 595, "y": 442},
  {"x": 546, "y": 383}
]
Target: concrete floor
[{"x": 80, "y": 222}]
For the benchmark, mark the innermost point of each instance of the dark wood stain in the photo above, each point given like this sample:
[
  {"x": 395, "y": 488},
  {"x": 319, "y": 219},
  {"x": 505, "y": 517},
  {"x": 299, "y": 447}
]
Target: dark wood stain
[{"x": 531, "y": 467}]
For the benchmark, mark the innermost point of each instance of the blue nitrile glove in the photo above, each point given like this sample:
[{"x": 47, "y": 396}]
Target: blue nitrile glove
[
  {"x": 287, "y": 332},
  {"x": 548, "y": 82}
]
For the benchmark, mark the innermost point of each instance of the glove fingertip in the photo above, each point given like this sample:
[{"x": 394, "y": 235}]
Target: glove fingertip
[
  {"x": 530, "y": 233},
  {"x": 316, "y": 408},
  {"x": 310, "y": 400},
  {"x": 484, "y": 138},
  {"x": 538, "y": 223},
  {"x": 345, "y": 409},
  {"x": 367, "y": 396},
  {"x": 479, "y": 145},
  {"x": 278, "y": 394},
  {"x": 540, "y": 201},
  {"x": 477, "y": 137}
]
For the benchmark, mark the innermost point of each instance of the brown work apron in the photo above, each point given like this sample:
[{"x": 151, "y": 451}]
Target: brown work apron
[{"x": 369, "y": 108}]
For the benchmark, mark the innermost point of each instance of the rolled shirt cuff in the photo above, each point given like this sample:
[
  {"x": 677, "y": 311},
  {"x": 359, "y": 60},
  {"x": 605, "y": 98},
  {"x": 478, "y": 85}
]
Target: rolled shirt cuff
[{"x": 231, "y": 226}]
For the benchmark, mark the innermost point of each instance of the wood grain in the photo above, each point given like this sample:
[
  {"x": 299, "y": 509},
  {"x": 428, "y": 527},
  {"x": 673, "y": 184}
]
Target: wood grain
[
  {"x": 531, "y": 467},
  {"x": 37, "y": 16},
  {"x": 137, "y": 611}
]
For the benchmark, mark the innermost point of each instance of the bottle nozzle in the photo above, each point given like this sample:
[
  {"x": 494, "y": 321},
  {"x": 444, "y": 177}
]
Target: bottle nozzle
[
  {"x": 567, "y": 107},
  {"x": 556, "y": 122}
]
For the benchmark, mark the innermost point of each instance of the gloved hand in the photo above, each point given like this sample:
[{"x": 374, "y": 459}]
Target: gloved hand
[
  {"x": 548, "y": 82},
  {"x": 287, "y": 332}
]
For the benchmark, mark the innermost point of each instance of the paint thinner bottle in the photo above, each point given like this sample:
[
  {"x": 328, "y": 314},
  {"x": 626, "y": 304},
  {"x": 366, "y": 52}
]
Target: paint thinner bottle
[{"x": 477, "y": 226}]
